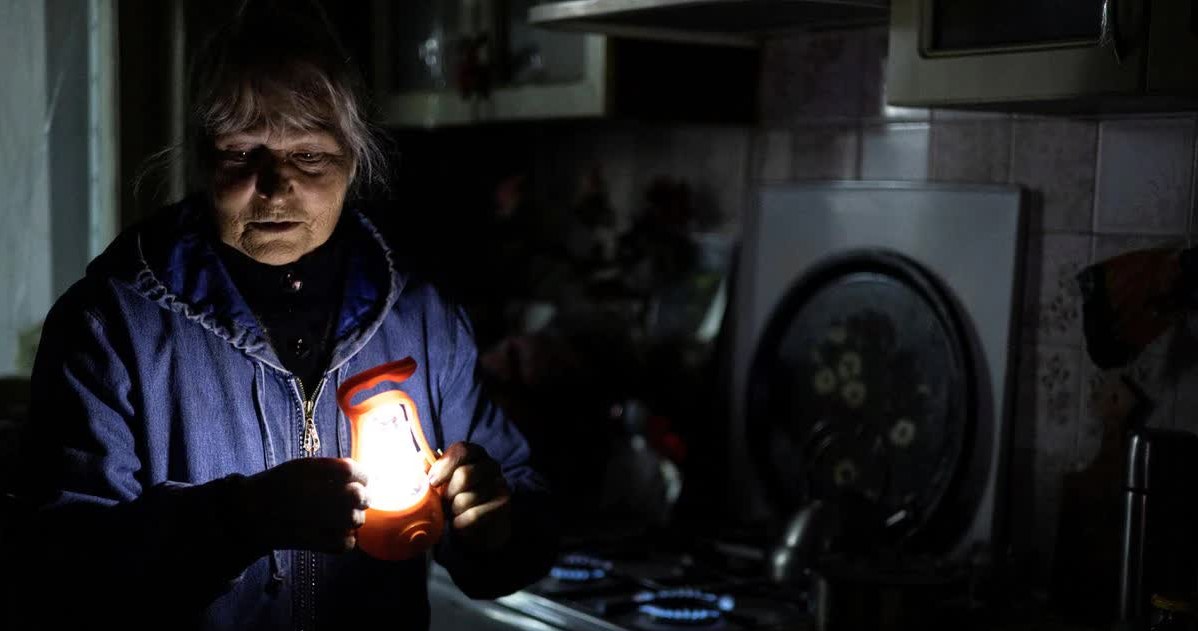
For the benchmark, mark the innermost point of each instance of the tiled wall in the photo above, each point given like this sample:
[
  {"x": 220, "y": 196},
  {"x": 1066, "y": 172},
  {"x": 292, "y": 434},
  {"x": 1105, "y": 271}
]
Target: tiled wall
[{"x": 1098, "y": 186}]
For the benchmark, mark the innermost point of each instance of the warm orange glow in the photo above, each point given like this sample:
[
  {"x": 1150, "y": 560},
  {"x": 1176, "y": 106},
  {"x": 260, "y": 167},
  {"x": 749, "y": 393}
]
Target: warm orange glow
[{"x": 405, "y": 517}]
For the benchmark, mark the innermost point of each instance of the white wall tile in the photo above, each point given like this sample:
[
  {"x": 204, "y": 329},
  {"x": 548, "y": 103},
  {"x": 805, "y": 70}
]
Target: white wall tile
[
  {"x": 773, "y": 155},
  {"x": 826, "y": 152},
  {"x": 1109, "y": 245},
  {"x": 1144, "y": 176},
  {"x": 896, "y": 151},
  {"x": 941, "y": 114}
]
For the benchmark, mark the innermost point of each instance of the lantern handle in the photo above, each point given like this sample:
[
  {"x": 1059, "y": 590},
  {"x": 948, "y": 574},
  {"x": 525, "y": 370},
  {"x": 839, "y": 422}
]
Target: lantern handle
[
  {"x": 429, "y": 456},
  {"x": 397, "y": 371}
]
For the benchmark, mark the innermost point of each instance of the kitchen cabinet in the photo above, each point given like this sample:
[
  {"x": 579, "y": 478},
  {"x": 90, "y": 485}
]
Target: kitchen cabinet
[
  {"x": 444, "y": 63},
  {"x": 706, "y": 21},
  {"x": 1031, "y": 55}
]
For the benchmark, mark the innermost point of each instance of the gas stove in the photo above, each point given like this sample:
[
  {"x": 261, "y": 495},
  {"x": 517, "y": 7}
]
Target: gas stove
[{"x": 634, "y": 587}]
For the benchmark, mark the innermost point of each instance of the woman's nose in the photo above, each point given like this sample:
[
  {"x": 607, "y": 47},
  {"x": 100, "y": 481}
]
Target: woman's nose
[{"x": 272, "y": 179}]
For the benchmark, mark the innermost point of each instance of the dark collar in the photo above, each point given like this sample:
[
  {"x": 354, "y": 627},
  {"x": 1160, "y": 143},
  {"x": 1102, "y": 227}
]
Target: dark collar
[{"x": 321, "y": 271}]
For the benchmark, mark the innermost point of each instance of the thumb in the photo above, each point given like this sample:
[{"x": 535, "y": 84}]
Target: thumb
[{"x": 357, "y": 473}]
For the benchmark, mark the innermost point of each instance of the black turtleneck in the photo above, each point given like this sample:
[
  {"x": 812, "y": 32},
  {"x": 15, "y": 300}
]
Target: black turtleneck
[{"x": 296, "y": 304}]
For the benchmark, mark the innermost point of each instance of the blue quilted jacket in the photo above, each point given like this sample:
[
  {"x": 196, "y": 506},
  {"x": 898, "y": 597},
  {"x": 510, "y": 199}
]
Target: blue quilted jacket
[{"x": 154, "y": 384}]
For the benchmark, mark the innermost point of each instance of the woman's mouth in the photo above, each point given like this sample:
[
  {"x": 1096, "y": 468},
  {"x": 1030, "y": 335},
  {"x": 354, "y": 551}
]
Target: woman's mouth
[{"x": 274, "y": 226}]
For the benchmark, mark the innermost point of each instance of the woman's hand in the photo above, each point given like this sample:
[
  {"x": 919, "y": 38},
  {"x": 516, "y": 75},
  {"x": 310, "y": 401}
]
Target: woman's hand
[
  {"x": 307, "y": 504},
  {"x": 477, "y": 493}
]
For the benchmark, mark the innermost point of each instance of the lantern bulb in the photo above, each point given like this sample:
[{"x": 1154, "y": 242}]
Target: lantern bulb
[{"x": 394, "y": 467}]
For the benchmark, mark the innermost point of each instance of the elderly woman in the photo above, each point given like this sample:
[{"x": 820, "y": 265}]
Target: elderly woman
[{"x": 195, "y": 468}]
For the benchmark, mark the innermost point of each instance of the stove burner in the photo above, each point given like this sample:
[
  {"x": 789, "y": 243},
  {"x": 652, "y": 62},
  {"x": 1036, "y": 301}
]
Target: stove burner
[
  {"x": 580, "y": 568},
  {"x": 683, "y": 606}
]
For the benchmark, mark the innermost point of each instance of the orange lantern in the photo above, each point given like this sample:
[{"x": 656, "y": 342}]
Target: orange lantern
[{"x": 405, "y": 516}]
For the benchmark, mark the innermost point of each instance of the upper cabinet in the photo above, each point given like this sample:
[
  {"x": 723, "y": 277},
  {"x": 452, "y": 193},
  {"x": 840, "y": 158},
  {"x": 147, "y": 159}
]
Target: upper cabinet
[
  {"x": 444, "y": 63},
  {"x": 1032, "y": 55}
]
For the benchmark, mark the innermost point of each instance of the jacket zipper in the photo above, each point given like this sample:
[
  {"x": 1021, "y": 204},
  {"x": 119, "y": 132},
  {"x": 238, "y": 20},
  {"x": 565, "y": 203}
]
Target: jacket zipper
[
  {"x": 310, "y": 439},
  {"x": 306, "y": 561}
]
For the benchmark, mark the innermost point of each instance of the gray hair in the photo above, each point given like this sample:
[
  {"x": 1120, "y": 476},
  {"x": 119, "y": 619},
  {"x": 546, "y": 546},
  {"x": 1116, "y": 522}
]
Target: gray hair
[{"x": 274, "y": 68}]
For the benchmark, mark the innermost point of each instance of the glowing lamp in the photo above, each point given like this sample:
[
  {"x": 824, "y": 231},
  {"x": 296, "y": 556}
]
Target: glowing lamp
[{"x": 405, "y": 517}]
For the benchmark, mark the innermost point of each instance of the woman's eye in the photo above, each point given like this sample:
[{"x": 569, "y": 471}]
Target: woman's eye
[
  {"x": 308, "y": 157},
  {"x": 235, "y": 156}
]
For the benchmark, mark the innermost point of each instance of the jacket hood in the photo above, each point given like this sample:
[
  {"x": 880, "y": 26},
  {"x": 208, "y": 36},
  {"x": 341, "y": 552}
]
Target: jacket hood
[{"x": 170, "y": 259}]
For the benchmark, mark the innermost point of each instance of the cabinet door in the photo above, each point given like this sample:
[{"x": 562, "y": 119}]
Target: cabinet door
[
  {"x": 416, "y": 57},
  {"x": 945, "y": 52},
  {"x": 544, "y": 73},
  {"x": 531, "y": 55}
]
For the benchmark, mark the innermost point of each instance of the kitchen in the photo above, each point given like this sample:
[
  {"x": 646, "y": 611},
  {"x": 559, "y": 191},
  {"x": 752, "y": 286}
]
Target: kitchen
[{"x": 635, "y": 195}]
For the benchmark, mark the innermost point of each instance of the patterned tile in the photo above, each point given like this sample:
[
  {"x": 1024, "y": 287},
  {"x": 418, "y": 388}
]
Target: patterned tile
[
  {"x": 773, "y": 155},
  {"x": 1058, "y": 391},
  {"x": 971, "y": 151},
  {"x": 825, "y": 153},
  {"x": 811, "y": 76},
  {"x": 1054, "y": 159},
  {"x": 1043, "y": 446},
  {"x": 1052, "y": 300},
  {"x": 1049, "y": 389},
  {"x": 1144, "y": 176},
  {"x": 896, "y": 151}
]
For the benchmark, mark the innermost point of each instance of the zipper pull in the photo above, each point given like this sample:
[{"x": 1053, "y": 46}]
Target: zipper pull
[{"x": 311, "y": 440}]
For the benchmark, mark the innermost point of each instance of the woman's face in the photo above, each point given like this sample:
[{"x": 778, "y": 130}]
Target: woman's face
[{"x": 278, "y": 196}]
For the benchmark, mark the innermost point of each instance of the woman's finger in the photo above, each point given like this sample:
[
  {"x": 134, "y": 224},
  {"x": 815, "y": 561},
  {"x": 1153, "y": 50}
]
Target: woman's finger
[{"x": 482, "y": 494}]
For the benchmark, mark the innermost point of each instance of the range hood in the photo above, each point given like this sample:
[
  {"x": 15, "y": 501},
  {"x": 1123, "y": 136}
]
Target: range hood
[{"x": 730, "y": 22}]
